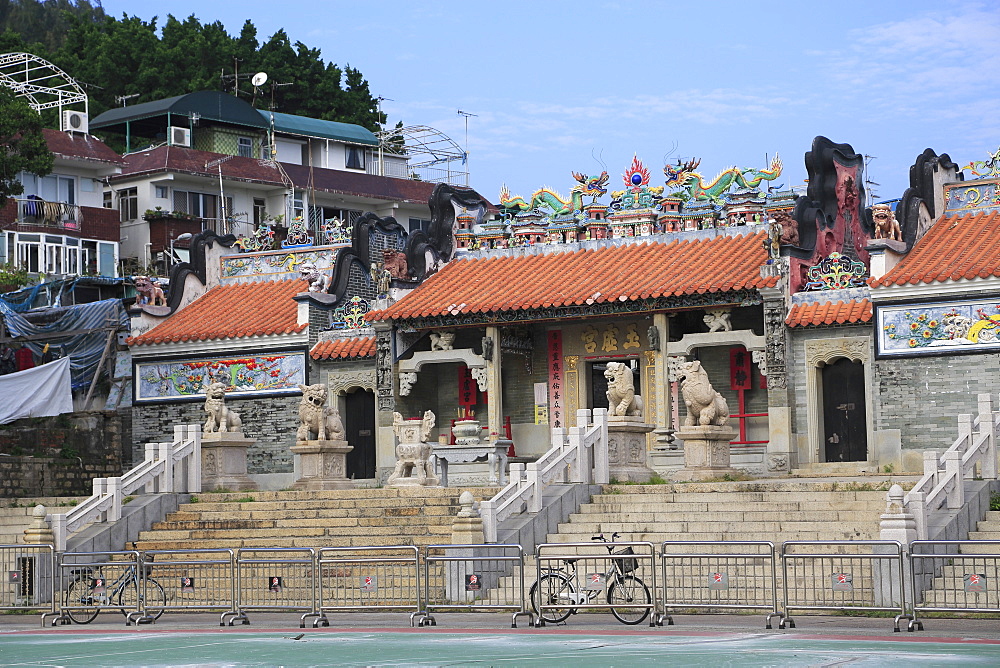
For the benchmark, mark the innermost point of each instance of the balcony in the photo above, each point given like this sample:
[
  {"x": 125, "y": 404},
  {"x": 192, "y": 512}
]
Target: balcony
[{"x": 34, "y": 213}]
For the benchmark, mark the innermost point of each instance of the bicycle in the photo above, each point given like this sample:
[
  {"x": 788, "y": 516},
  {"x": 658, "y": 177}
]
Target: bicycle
[
  {"x": 559, "y": 585},
  {"x": 90, "y": 592}
]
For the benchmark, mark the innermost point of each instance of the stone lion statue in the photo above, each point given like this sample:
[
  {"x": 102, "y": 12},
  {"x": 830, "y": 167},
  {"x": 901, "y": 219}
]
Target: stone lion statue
[
  {"x": 622, "y": 399},
  {"x": 318, "y": 280},
  {"x": 705, "y": 405},
  {"x": 886, "y": 225},
  {"x": 717, "y": 320},
  {"x": 443, "y": 340},
  {"x": 220, "y": 417},
  {"x": 149, "y": 292},
  {"x": 394, "y": 262},
  {"x": 316, "y": 418}
]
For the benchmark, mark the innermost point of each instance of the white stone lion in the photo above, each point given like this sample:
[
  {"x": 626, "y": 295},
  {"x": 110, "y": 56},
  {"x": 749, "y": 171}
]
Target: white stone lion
[
  {"x": 316, "y": 418},
  {"x": 622, "y": 399},
  {"x": 318, "y": 280},
  {"x": 705, "y": 405},
  {"x": 220, "y": 417}
]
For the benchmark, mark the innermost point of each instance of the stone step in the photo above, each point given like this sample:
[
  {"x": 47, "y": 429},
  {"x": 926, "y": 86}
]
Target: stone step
[
  {"x": 364, "y": 494},
  {"x": 307, "y": 542},
  {"x": 300, "y": 532},
  {"x": 668, "y": 515},
  {"x": 189, "y": 513},
  {"x": 585, "y": 530},
  {"x": 723, "y": 505},
  {"x": 316, "y": 504},
  {"x": 628, "y": 498},
  {"x": 50, "y": 502}
]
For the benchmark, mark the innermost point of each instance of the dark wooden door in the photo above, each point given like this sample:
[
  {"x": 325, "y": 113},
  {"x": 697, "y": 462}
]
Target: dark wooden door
[
  {"x": 359, "y": 423},
  {"x": 844, "y": 413}
]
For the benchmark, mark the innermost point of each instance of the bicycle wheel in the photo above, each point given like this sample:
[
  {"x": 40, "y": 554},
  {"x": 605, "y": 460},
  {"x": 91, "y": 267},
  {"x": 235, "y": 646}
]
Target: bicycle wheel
[
  {"x": 551, "y": 589},
  {"x": 628, "y": 589},
  {"x": 79, "y": 596},
  {"x": 154, "y": 597}
]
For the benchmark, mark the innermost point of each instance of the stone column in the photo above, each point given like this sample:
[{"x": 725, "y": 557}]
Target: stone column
[
  {"x": 494, "y": 385},
  {"x": 780, "y": 457},
  {"x": 661, "y": 410}
]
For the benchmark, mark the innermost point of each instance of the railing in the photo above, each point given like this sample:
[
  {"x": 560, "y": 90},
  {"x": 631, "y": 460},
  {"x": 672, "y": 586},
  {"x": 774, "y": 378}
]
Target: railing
[
  {"x": 577, "y": 455},
  {"x": 160, "y": 471},
  {"x": 42, "y": 213},
  {"x": 943, "y": 483}
]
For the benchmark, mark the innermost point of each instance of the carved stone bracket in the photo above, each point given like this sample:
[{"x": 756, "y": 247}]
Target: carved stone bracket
[
  {"x": 825, "y": 351},
  {"x": 383, "y": 370},
  {"x": 481, "y": 378},
  {"x": 518, "y": 341},
  {"x": 774, "y": 333},
  {"x": 407, "y": 379},
  {"x": 760, "y": 359},
  {"x": 674, "y": 363},
  {"x": 342, "y": 381}
]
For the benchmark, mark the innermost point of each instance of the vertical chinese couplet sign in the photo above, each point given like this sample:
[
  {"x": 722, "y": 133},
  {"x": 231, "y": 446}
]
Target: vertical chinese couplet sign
[
  {"x": 468, "y": 391},
  {"x": 739, "y": 368},
  {"x": 556, "y": 399}
]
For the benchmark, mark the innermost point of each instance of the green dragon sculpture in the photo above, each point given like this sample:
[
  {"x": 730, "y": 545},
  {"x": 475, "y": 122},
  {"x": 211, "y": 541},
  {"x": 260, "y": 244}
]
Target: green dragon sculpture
[
  {"x": 594, "y": 186},
  {"x": 684, "y": 177}
]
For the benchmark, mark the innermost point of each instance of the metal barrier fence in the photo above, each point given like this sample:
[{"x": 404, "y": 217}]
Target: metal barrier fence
[
  {"x": 276, "y": 579},
  {"x": 30, "y": 572},
  {"x": 585, "y": 575},
  {"x": 367, "y": 578},
  {"x": 193, "y": 580},
  {"x": 471, "y": 578},
  {"x": 954, "y": 576},
  {"x": 90, "y": 582},
  {"x": 864, "y": 575},
  {"x": 718, "y": 576}
]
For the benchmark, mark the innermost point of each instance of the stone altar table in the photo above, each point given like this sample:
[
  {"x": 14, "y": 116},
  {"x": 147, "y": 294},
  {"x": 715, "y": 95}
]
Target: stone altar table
[{"x": 495, "y": 453}]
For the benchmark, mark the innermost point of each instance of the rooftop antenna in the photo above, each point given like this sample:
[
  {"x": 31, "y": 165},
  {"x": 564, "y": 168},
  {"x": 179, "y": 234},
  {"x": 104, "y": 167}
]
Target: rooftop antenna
[
  {"x": 465, "y": 158},
  {"x": 869, "y": 182},
  {"x": 258, "y": 80},
  {"x": 381, "y": 162},
  {"x": 125, "y": 98}
]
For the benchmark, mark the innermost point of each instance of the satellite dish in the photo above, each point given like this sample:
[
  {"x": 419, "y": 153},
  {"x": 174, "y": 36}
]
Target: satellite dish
[{"x": 259, "y": 79}]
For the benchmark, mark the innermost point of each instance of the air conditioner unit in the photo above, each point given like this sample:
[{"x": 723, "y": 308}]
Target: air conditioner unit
[
  {"x": 75, "y": 121},
  {"x": 180, "y": 136}
]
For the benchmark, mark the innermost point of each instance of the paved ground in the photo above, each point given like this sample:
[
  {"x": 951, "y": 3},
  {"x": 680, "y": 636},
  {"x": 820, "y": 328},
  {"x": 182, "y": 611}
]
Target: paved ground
[{"x": 487, "y": 640}]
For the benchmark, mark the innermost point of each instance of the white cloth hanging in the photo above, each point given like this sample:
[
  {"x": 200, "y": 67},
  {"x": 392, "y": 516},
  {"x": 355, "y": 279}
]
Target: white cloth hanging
[{"x": 38, "y": 392}]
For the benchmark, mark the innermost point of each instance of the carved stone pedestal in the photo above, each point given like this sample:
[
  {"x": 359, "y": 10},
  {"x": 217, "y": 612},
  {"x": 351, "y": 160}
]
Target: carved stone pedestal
[
  {"x": 323, "y": 465},
  {"x": 627, "y": 460},
  {"x": 224, "y": 461},
  {"x": 706, "y": 452}
]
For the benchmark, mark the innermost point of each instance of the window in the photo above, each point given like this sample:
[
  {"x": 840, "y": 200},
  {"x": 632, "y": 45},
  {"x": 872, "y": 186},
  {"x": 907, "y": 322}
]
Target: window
[
  {"x": 419, "y": 224},
  {"x": 355, "y": 157},
  {"x": 298, "y": 207},
  {"x": 128, "y": 203},
  {"x": 244, "y": 147},
  {"x": 259, "y": 210},
  {"x": 201, "y": 205},
  {"x": 160, "y": 192},
  {"x": 108, "y": 200}
]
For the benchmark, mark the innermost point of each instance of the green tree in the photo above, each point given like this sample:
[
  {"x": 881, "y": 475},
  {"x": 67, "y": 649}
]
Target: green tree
[{"x": 22, "y": 145}]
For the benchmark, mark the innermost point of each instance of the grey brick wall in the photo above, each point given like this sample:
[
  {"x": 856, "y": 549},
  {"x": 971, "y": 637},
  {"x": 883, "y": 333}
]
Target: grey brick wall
[
  {"x": 921, "y": 396},
  {"x": 271, "y": 420}
]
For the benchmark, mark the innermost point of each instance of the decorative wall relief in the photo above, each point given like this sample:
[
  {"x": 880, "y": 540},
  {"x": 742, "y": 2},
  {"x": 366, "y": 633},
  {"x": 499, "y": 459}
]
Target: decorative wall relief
[
  {"x": 920, "y": 329},
  {"x": 980, "y": 196},
  {"x": 836, "y": 272},
  {"x": 242, "y": 376},
  {"x": 351, "y": 315},
  {"x": 276, "y": 264},
  {"x": 383, "y": 370},
  {"x": 774, "y": 333}
]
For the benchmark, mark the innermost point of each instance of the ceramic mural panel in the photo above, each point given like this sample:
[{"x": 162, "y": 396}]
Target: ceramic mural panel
[
  {"x": 243, "y": 375},
  {"x": 940, "y": 327},
  {"x": 974, "y": 197},
  {"x": 274, "y": 265}
]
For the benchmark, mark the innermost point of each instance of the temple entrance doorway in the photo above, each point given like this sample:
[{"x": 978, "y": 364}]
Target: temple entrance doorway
[
  {"x": 359, "y": 424},
  {"x": 845, "y": 434}
]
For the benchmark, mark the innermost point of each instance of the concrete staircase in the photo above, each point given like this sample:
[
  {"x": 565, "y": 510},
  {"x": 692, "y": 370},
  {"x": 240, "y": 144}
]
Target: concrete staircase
[
  {"x": 15, "y": 514},
  {"x": 344, "y": 518},
  {"x": 947, "y": 587}
]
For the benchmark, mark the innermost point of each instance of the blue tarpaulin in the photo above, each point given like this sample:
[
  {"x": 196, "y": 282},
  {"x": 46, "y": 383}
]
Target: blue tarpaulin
[{"x": 84, "y": 348}]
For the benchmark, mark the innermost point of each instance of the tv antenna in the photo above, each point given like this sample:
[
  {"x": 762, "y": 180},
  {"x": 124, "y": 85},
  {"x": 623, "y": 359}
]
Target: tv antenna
[
  {"x": 466, "y": 115},
  {"x": 868, "y": 181},
  {"x": 125, "y": 98}
]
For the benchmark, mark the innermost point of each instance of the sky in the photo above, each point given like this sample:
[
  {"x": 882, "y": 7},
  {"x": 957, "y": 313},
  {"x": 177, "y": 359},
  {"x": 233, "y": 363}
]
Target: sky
[{"x": 559, "y": 87}]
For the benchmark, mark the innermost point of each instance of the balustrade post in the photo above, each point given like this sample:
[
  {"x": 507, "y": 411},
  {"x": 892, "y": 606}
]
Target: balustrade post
[
  {"x": 115, "y": 492},
  {"x": 194, "y": 460},
  {"x": 535, "y": 498},
  {"x": 100, "y": 486},
  {"x": 602, "y": 469},
  {"x": 150, "y": 452},
  {"x": 917, "y": 505},
  {"x": 576, "y": 473},
  {"x": 558, "y": 437},
  {"x": 58, "y": 523},
  {"x": 987, "y": 425},
  {"x": 964, "y": 432},
  {"x": 167, "y": 479},
  {"x": 931, "y": 466},
  {"x": 488, "y": 511},
  {"x": 953, "y": 470}
]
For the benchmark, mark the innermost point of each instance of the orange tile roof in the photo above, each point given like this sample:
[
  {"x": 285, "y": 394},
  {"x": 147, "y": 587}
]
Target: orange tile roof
[
  {"x": 955, "y": 247},
  {"x": 363, "y": 346},
  {"x": 232, "y": 311},
  {"x": 829, "y": 313},
  {"x": 574, "y": 278}
]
